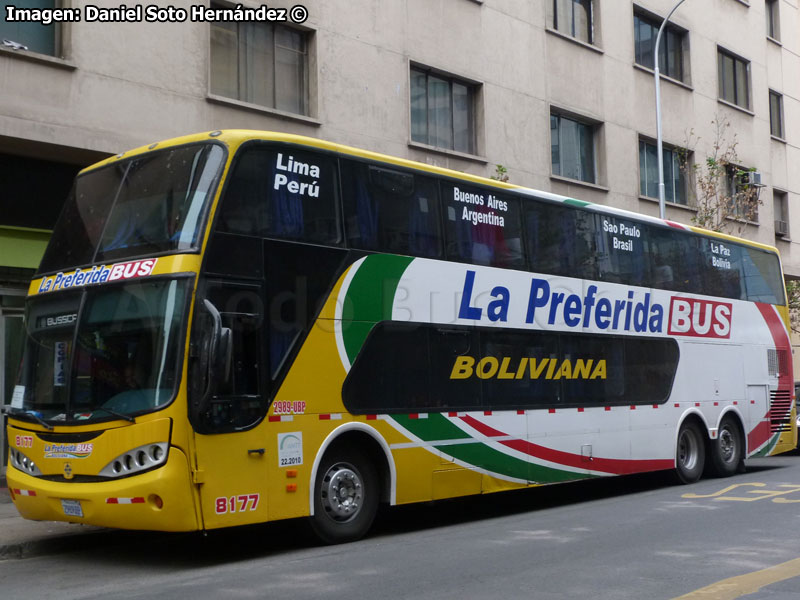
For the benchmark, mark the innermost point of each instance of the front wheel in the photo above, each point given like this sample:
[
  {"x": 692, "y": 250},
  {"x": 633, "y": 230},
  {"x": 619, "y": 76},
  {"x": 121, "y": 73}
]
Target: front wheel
[
  {"x": 727, "y": 450},
  {"x": 690, "y": 453},
  {"x": 345, "y": 497}
]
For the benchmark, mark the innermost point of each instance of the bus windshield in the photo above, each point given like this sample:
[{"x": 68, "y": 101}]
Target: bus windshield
[
  {"x": 123, "y": 359},
  {"x": 146, "y": 205}
]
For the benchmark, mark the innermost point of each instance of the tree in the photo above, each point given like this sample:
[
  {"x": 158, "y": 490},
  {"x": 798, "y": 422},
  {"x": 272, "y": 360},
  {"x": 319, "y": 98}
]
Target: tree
[
  {"x": 725, "y": 199},
  {"x": 500, "y": 174},
  {"x": 793, "y": 301}
]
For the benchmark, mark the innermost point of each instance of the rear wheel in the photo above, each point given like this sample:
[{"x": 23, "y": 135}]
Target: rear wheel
[
  {"x": 690, "y": 453},
  {"x": 727, "y": 450},
  {"x": 345, "y": 496}
]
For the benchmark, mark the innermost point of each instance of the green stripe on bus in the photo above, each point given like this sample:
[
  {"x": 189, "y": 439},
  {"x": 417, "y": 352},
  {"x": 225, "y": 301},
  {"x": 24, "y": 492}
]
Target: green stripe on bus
[
  {"x": 436, "y": 427},
  {"x": 579, "y": 203},
  {"x": 370, "y": 298}
]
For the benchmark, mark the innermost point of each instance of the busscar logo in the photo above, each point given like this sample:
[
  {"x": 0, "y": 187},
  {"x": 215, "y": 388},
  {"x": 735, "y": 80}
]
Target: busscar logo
[
  {"x": 57, "y": 320},
  {"x": 700, "y": 318}
]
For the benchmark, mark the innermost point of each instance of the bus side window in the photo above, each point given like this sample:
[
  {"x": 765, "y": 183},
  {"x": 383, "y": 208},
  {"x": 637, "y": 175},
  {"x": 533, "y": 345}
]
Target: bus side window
[
  {"x": 390, "y": 210},
  {"x": 621, "y": 251},
  {"x": 560, "y": 239},
  {"x": 482, "y": 226},
  {"x": 674, "y": 259},
  {"x": 762, "y": 276},
  {"x": 721, "y": 264},
  {"x": 285, "y": 193}
]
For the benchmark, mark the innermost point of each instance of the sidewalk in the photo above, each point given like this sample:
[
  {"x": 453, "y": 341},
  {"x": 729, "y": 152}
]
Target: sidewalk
[{"x": 20, "y": 538}]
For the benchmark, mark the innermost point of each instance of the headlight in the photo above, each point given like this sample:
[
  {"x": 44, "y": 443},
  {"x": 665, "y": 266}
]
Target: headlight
[
  {"x": 23, "y": 463},
  {"x": 137, "y": 460}
]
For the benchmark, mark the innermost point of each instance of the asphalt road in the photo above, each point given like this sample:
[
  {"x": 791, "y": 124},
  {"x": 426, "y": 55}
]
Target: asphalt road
[{"x": 637, "y": 537}]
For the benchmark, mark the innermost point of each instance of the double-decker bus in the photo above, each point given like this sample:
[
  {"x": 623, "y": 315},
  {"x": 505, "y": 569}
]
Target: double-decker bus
[{"x": 238, "y": 327}]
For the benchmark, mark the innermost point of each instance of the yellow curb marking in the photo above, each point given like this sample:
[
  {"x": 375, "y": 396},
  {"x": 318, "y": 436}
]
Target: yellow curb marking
[{"x": 736, "y": 587}]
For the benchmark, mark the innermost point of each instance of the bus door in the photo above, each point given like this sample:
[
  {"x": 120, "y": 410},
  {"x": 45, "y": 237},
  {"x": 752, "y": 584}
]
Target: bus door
[{"x": 229, "y": 403}]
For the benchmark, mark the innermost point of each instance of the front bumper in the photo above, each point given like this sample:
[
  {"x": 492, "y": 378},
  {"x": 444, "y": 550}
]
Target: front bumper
[{"x": 126, "y": 503}]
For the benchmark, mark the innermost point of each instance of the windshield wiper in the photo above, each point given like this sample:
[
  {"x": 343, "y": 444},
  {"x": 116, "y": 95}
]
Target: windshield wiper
[
  {"x": 120, "y": 415},
  {"x": 10, "y": 410}
]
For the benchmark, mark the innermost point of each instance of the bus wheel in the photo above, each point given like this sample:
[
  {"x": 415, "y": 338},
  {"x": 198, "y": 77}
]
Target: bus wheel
[
  {"x": 345, "y": 497},
  {"x": 690, "y": 454},
  {"x": 727, "y": 449}
]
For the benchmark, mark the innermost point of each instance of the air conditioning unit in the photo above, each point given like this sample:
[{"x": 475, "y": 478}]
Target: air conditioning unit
[
  {"x": 754, "y": 178},
  {"x": 781, "y": 228}
]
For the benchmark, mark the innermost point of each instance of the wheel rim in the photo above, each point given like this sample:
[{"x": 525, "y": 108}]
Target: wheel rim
[
  {"x": 727, "y": 445},
  {"x": 342, "y": 492},
  {"x": 687, "y": 450}
]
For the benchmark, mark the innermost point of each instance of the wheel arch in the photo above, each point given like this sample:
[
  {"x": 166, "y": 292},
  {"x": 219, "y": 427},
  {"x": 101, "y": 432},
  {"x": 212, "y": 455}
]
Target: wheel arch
[{"x": 359, "y": 435}]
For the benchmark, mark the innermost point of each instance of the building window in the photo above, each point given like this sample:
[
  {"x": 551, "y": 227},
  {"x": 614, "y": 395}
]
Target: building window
[
  {"x": 573, "y": 18},
  {"x": 35, "y": 37},
  {"x": 572, "y": 148},
  {"x": 260, "y": 63},
  {"x": 670, "y": 51},
  {"x": 734, "y": 79},
  {"x": 781, "y": 209},
  {"x": 773, "y": 23},
  {"x": 742, "y": 193},
  {"x": 674, "y": 175},
  {"x": 442, "y": 111},
  {"x": 776, "y": 114}
]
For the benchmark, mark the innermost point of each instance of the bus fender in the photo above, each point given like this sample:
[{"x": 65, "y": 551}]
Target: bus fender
[
  {"x": 690, "y": 413},
  {"x": 336, "y": 434}
]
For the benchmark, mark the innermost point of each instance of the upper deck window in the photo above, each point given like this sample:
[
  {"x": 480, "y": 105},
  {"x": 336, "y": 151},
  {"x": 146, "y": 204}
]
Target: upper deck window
[
  {"x": 285, "y": 193},
  {"x": 150, "y": 204}
]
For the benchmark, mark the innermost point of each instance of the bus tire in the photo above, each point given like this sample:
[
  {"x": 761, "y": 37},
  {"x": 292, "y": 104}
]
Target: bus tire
[
  {"x": 727, "y": 450},
  {"x": 690, "y": 453},
  {"x": 345, "y": 496}
]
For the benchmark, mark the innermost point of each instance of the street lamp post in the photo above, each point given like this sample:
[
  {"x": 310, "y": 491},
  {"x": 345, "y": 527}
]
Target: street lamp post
[{"x": 661, "y": 200}]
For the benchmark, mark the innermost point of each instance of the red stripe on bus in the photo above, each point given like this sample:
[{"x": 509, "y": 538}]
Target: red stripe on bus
[
  {"x": 274, "y": 418},
  {"x": 762, "y": 432},
  {"x": 520, "y": 412},
  {"x": 613, "y": 466},
  {"x": 372, "y": 417},
  {"x": 580, "y": 409},
  {"x": 487, "y": 413},
  {"x": 676, "y": 225},
  {"x": 608, "y": 409},
  {"x": 111, "y": 501},
  {"x": 413, "y": 416},
  {"x": 552, "y": 411},
  {"x": 324, "y": 417}
]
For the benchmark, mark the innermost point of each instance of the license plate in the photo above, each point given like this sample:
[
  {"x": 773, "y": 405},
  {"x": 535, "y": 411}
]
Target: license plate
[{"x": 72, "y": 508}]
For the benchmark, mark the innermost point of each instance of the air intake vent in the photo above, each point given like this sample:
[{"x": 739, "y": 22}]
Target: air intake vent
[
  {"x": 772, "y": 362},
  {"x": 780, "y": 408}
]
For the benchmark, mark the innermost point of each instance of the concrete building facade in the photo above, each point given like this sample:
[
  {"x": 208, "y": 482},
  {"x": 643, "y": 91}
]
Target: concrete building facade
[{"x": 558, "y": 92}]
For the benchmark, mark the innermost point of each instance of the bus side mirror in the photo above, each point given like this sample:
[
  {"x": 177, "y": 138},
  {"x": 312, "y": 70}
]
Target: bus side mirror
[{"x": 220, "y": 350}]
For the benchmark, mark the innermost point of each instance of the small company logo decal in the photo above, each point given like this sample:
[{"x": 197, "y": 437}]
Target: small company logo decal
[{"x": 68, "y": 450}]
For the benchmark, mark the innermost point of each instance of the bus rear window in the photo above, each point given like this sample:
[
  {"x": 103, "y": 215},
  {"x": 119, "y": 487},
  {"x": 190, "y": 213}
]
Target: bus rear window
[{"x": 282, "y": 193}]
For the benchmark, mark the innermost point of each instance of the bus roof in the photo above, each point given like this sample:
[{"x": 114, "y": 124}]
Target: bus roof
[{"x": 233, "y": 138}]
